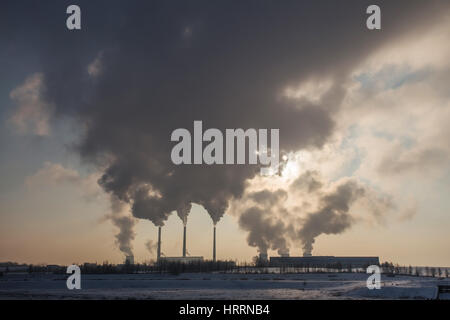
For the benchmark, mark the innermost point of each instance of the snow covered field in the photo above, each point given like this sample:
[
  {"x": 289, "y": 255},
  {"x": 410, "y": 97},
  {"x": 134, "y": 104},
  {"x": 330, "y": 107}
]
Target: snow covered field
[{"x": 217, "y": 286}]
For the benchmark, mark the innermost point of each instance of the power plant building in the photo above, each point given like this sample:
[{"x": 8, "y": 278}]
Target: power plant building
[
  {"x": 324, "y": 261},
  {"x": 187, "y": 259},
  {"x": 129, "y": 259}
]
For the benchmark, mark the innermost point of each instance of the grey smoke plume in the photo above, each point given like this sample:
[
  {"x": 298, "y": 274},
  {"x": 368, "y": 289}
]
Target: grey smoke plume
[
  {"x": 125, "y": 224},
  {"x": 307, "y": 208},
  {"x": 229, "y": 71},
  {"x": 151, "y": 246},
  {"x": 183, "y": 212},
  {"x": 339, "y": 205},
  {"x": 333, "y": 217},
  {"x": 265, "y": 231},
  {"x": 309, "y": 181}
]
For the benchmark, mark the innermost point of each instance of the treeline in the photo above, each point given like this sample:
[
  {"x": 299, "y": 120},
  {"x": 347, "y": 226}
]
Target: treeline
[
  {"x": 387, "y": 268},
  {"x": 390, "y": 268},
  {"x": 160, "y": 267},
  {"x": 227, "y": 266},
  {"x": 194, "y": 266}
]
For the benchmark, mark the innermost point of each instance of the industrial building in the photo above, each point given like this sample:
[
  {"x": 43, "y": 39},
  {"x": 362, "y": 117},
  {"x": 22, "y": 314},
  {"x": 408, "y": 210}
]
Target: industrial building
[
  {"x": 189, "y": 259},
  {"x": 284, "y": 260},
  {"x": 324, "y": 261},
  {"x": 129, "y": 259}
]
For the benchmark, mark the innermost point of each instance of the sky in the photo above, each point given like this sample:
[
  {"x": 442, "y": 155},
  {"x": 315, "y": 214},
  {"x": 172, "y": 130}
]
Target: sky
[{"x": 86, "y": 118}]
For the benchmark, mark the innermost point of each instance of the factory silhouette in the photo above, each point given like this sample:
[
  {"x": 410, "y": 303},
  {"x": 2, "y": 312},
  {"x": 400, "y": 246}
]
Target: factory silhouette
[{"x": 284, "y": 260}]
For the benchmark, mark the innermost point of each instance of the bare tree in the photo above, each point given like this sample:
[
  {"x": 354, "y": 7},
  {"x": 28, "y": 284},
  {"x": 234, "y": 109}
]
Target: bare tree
[{"x": 433, "y": 272}]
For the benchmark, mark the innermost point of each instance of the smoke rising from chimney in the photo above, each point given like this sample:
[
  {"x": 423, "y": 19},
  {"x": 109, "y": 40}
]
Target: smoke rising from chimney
[
  {"x": 333, "y": 217},
  {"x": 151, "y": 83},
  {"x": 305, "y": 209},
  {"x": 265, "y": 231},
  {"x": 183, "y": 212},
  {"x": 151, "y": 246},
  {"x": 125, "y": 224}
]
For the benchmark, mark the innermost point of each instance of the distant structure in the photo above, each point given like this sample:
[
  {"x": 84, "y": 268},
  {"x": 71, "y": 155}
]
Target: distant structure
[
  {"x": 129, "y": 259},
  {"x": 55, "y": 267},
  {"x": 214, "y": 244},
  {"x": 181, "y": 259},
  {"x": 284, "y": 253},
  {"x": 184, "y": 241},
  {"x": 263, "y": 257},
  {"x": 158, "y": 253},
  {"x": 324, "y": 261}
]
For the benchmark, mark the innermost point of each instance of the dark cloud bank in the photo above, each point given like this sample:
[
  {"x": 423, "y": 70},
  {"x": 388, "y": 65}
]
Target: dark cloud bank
[{"x": 168, "y": 63}]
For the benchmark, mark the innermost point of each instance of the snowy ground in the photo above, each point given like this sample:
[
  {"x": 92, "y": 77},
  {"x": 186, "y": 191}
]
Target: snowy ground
[{"x": 217, "y": 286}]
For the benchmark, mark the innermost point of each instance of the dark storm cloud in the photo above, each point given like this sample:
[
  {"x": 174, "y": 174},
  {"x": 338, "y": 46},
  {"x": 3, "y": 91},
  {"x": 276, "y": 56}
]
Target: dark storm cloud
[{"x": 165, "y": 64}]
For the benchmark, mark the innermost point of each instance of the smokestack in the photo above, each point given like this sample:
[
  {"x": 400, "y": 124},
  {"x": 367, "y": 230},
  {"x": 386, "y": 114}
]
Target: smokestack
[
  {"x": 263, "y": 257},
  {"x": 214, "y": 244},
  {"x": 129, "y": 259},
  {"x": 159, "y": 244},
  {"x": 184, "y": 241}
]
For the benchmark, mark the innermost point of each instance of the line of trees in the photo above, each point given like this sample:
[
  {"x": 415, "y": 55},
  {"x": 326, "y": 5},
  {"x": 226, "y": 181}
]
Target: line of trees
[
  {"x": 387, "y": 268},
  {"x": 390, "y": 268},
  {"x": 152, "y": 267}
]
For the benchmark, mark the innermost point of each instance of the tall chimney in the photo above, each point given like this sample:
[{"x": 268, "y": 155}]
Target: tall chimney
[
  {"x": 159, "y": 244},
  {"x": 184, "y": 241},
  {"x": 214, "y": 245}
]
